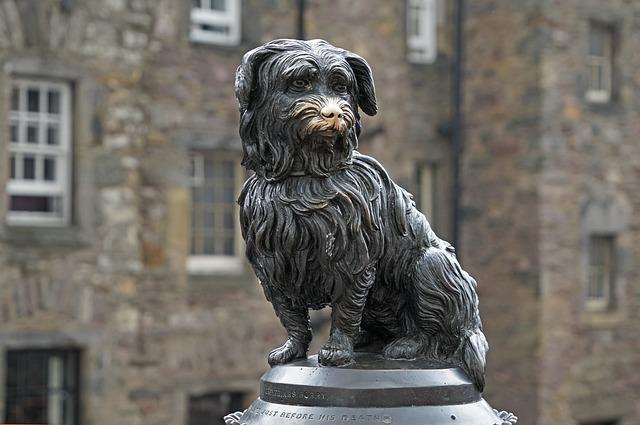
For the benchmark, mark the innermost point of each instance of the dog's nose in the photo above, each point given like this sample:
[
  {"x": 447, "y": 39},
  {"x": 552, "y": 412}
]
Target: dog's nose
[{"x": 331, "y": 112}]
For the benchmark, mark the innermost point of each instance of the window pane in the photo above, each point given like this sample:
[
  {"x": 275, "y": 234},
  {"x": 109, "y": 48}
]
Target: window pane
[
  {"x": 52, "y": 135},
  {"x": 15, "y": 99},
  {"x": 49, "y": 168},
  {"x": 229, "y": 219},
  {"x": 29, "y": 167},
  {"x": 196, "y": 169},
  {"x": 36, "y": 392},
  {"x": 208, "y": 218},
  {"x": 209, "y": 169},
  {"x": 53, "y": 102},
  {"x": 13, "y": 130},
  {"x": 413, "y": 28},
  {"x": 195, "y": 244},
  {"x": 39, "y": 155},
  {"x": 599, "y": 37},
  {"x": 228, "y": 245},
  {"x": 219, "y": 5},
  {"x": 601, "y": 267},
  {"x": 33, "y": 100},
  {"x": 208, "y": 245},
  {"x": 44, "y": 204},
  {"x": 227, "y": 169},
  {"x": 427, "y": 190},
  {"x": 213, "y": 221},
  {"x": 32, "y": 133},
  {"x": 593, "y": 76},
  {"x": 229, "y": 193},
  {"x": 203, "y": 194},
  {"x": 220, "y": 29}
]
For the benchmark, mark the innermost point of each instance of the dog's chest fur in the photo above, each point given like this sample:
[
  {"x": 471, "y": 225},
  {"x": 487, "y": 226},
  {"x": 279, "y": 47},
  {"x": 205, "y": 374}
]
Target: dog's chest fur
[{"x": 307, "y": 237}]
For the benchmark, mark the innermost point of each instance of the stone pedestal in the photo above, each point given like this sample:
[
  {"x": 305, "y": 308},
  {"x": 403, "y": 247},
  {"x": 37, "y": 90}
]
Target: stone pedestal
[{"x": 373, "y": 391}]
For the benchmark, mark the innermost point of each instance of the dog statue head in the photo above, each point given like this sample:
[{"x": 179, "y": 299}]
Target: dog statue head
[{"x": 299, "y": 105}]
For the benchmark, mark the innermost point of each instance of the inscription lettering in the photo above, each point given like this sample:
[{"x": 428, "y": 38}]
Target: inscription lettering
[
  {"x": 386, "y": 419},
  {"x": 265, "y": 412},
  {"x": 293, "y": 394},
  {"x": 295, "y": 415}
]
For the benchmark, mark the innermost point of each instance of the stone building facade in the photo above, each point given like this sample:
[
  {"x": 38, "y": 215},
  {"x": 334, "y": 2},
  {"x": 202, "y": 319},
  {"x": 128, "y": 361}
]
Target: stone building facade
[
  {"x": 550, "y": 205},
  {"x": 125, "y": 294}
]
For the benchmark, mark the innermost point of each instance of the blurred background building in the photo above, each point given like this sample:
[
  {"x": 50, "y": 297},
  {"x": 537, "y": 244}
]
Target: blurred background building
[{"x": 124, "y": 293}]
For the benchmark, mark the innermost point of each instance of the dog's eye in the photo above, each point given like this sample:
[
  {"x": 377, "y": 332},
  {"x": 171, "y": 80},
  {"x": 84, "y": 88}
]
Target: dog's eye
[
  {"x": 340, "y": 88},
  {"x": 299, "y": 84}
]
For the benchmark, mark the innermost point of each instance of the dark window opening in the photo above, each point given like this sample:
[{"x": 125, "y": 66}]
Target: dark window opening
[
  {"x": 602, "y": 272},
  {"x": 43, "y": 204},
  {"x": 609, "y": 422},
  {"x": 42, "y": 387},
  {"x": 210, "y": 409}
]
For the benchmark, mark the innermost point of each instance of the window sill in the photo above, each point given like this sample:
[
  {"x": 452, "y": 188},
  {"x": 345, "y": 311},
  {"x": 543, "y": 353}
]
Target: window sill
[
  {"x": 199, "y": 37},
  {"x": 598, "y": 97},
  {"x": 598, "y": 318},
  {"x": 199, "y": 265}
]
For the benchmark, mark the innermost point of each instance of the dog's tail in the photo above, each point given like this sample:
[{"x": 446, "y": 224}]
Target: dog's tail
[{"x": 473, "y": 352}]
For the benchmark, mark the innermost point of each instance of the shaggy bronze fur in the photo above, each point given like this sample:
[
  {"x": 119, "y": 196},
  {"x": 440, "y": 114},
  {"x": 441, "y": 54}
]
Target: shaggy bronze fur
[{"x": 325, "y": 225}]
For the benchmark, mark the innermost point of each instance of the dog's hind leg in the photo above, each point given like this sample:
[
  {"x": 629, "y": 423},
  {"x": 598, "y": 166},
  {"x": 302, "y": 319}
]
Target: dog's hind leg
[
  {"x": 296, "y": 322},
  {"x": 346, "y": 316},
  {"x": 409, "y": 342}
]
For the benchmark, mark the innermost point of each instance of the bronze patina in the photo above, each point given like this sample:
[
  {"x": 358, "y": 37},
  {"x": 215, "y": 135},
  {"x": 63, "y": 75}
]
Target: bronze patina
[{"x": 326, "y": 226}]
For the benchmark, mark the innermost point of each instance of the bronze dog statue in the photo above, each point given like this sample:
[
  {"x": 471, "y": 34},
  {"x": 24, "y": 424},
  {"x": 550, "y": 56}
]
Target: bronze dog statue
[{"x": 326, "y": 225}]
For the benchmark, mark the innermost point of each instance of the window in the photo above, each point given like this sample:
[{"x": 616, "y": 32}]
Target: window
[
  {"x": 42, "y": 387},
  {"x": 421, "y": 30},
  {"x": 39, "y": 153},
  {"x": 426, "y": 187},
  {"x": 215, "y": 21},
  {"x": 601, "y": 279},
  {"x": 209, "y": 409},
  {"x": 215, "y": 244},
  {"x": 600, "y": 64}
]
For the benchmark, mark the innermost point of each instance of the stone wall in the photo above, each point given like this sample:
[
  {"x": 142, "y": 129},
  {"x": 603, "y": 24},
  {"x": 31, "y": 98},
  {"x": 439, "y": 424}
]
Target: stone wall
[
  {"x": 543, "y": 170},
  {"x": 589, "y": 184},
  {"x": 500, "y": 203},
  {"x": 115, "y": 283}
]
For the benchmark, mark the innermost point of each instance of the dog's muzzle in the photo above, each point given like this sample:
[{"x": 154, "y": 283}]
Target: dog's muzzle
[
  {"x": 323, "y": 116},
  {"x": 332, "y": 114}
]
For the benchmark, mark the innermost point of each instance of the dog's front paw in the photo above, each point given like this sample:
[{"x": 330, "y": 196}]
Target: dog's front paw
[
  {"x": 338, "y": 351},
  {"x": 289, "y": 351},
  {"x": 403, "y": 348}
]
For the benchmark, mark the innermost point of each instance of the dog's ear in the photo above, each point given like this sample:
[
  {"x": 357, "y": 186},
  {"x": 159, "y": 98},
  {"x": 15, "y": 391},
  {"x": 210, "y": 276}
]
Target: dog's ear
[
  {"x": 246, "y": 75},
  {"x": 364, "y": 79}
]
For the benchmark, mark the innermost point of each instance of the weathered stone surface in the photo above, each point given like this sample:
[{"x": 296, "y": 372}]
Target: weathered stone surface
[{"x": 537, "y": 155}]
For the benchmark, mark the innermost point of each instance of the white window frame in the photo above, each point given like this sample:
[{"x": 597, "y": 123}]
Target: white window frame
[
  {"x": 217, "y": 264},
  {"x": 205, "y": 15},
  {"x": 600, "y": 64},
  {"x": 422, "y": 47},
  {"x": 427, "y": 180},
  {"x": 61, "y": 187},
  {"x": 608, "y": 274}
]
